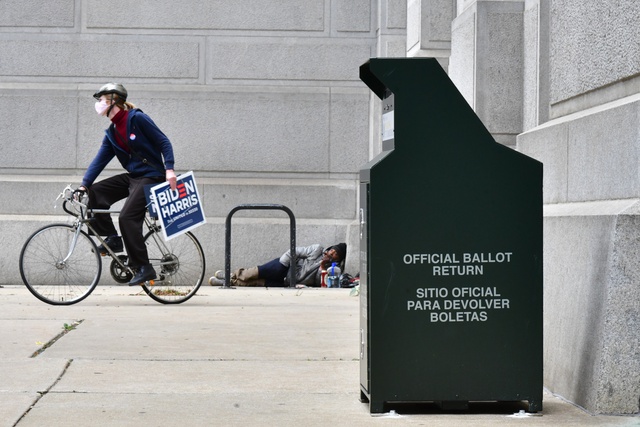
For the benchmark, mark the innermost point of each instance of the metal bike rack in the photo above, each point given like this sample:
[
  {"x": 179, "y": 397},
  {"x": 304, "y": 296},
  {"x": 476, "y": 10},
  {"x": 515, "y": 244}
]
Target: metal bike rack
[{"x": 227, "y": 240}]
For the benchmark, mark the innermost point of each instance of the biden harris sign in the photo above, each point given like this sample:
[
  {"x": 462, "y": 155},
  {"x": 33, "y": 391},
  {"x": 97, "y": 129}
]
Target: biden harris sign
[{"x": 179, "y": 210}]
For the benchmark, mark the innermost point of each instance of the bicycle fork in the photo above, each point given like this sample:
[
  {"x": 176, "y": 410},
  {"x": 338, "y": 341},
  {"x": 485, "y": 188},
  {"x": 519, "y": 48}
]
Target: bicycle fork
[{"x": 72, "y": 246}]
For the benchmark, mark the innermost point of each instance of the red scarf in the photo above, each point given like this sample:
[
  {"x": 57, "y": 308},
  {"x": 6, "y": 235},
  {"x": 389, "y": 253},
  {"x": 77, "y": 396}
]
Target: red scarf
[{"x": 120, "y": 121}]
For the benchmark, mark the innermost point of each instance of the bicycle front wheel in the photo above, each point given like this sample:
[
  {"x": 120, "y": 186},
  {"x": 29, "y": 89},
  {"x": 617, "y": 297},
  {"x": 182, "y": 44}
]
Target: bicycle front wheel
[
  {"x": 180, "y": 266},
  {"x": 55, "y": 270}
]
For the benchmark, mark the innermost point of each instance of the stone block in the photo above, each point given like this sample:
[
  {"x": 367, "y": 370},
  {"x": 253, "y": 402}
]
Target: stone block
[
  {"x": 603, "y": 154},
  {"x": 462, "y": 66},
  {"x": 462, "y": 5},
  {"x": 37, "y": 132},
  {"x": 52, "y": 13},
  {"x": 82, "y": 56},
  {"x": 591, "y": 47},
  {"x": 438, "y": 31},
  {"x": 576, "y": 251},
  {"x": 591, "y": 155},
  {"x": 17, "y": 229},
  {"x": 352, "y": 15},
  {"x": 286, "y": 58},
  {"x": 618, "y": 389},
  {"x": 396, "y": 14},
  {"x": 315, "y": 199},
  {"x": 591, "y": 313},
  {"x": 258, "y": 15},
  {"x": 239, "y": 132},
  {"x": 499, "y": 74},
  {"x": 549, "y": 145},
  {"x": 277, "y": 130},
  {"x": 349, "y": 129},
  {"x": 310, "y": 199},
  {"x": 35, "y": 195},
  {"x": 487, "y": 66},
  {"x": 391, "y": 46},
  {"x": 429, "y": 26}
]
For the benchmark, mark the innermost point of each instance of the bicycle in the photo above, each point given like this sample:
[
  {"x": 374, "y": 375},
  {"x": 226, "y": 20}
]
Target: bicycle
[{"x": 60, "y": 263}]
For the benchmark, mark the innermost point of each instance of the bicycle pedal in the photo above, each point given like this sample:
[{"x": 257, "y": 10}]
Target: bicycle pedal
[{"x": 151, "y": 282}]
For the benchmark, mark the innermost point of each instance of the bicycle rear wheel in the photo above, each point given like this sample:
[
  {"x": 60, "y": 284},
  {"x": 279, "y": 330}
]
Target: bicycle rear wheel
[
  {"x": 180, "y": 265},
  {"x": 48, "y": 276}
]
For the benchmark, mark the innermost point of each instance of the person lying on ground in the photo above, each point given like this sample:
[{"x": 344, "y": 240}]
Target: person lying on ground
[{"x": 311, "y": 261}]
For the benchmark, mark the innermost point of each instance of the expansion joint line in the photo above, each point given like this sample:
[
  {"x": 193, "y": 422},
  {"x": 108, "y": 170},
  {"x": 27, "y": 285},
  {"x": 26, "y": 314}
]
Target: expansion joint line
[
  {"x": 67, "y": 328},
  {"x": 41, "y": 394}
]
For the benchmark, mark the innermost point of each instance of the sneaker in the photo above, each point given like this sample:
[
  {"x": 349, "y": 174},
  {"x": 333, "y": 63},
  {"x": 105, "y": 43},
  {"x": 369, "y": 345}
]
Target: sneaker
[
  {"x": 214, "y": 281},
  {"x": 114, "y": 243},
  {"x": 144, "y": 274},
  {"x": 219, "y": 274}
]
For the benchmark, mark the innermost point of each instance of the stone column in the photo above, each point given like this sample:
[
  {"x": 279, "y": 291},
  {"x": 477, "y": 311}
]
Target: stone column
[
  {"x": 535, "y": 105},
  {"x": 589, "y": 147},
  {"x": 392, "y": 28},
  {"x": 429, "y": 29},
  {"x": 487, "y": 63}
]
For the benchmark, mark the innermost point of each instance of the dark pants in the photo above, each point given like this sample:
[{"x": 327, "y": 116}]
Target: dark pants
[
  {"x": 273, "y": 272},
  {"x": 105, "y": 193}
]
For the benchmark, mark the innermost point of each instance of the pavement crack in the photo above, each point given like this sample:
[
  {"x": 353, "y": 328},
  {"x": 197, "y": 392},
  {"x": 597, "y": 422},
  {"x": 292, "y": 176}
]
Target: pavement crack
[
  {"x": 41, "y": 394},
  {"x": 65, "y": 330}
]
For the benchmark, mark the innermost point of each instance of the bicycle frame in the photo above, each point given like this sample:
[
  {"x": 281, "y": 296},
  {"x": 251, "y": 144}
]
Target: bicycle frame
[{"x": 82, "y": 213}]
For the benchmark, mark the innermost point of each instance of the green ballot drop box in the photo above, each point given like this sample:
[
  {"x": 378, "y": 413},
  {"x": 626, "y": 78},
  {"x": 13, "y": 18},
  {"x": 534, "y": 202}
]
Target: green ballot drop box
[{"x": 450, "y": 251}]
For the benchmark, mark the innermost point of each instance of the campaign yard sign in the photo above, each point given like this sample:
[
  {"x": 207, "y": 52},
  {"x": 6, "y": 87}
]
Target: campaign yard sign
[{"x": 178, "y": 210}]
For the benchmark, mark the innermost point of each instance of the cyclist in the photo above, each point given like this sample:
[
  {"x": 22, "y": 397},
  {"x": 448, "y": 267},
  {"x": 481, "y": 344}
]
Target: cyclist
[{"x": 146, "y": 153}]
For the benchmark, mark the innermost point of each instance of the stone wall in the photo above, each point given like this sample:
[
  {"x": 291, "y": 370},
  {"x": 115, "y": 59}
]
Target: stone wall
[
  {"x": 582, "y": 111},
  {"x": 559, "y": 80},
  {"x": 262, "y": 100}
]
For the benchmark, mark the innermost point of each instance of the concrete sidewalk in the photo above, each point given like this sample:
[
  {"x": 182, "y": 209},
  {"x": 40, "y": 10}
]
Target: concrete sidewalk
[{"x": 243, "y": 357}]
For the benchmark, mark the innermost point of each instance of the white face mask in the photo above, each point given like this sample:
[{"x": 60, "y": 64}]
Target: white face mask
[{"x": 102, "y": 107}]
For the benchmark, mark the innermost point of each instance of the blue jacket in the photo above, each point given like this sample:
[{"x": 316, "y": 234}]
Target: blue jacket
[{"x": 145, "y": 139}]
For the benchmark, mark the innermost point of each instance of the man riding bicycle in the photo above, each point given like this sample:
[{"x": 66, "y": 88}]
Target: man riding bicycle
[{"x": 146, "y": 153}]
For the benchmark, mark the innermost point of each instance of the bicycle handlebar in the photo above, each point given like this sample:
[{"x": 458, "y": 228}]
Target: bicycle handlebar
[
  {"x": 75, "y": 202},
  {"x": 74, "y": 197}
]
